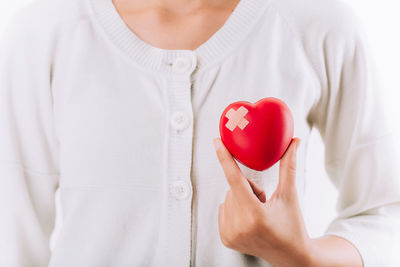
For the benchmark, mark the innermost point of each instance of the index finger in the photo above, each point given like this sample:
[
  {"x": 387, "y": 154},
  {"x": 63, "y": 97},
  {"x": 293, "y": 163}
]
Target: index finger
[{"x": 237, "y": 182}]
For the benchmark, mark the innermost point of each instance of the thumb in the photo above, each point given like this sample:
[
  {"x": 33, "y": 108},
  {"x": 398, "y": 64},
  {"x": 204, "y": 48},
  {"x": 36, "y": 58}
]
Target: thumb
[{"x": 287, "y": 168}]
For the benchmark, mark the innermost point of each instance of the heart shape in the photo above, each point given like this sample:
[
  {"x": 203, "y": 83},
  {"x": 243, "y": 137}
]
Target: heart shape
[{"x": 258, "y": 134}]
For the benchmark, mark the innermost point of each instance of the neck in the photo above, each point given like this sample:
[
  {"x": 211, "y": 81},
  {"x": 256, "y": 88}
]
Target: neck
[{"x": 175, "y": 6}]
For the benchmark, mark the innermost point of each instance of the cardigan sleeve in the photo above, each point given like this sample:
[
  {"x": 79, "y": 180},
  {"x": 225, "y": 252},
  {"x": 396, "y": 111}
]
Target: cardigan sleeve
[
  {"x": 362, "y": 152},
  {"x": 28, "y": 146}
]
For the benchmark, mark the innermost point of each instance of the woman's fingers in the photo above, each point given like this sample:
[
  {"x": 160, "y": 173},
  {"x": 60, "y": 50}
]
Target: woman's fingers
[
  {"x": 221, "y": 216},
  {"x": 258, "y": 191},
  {"x": 237, "y": 182},
  {"x": 287, "y": 168}
]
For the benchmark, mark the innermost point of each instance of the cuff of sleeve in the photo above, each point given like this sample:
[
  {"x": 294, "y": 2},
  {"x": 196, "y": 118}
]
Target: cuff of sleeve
[{"x": 376, "y": 238}]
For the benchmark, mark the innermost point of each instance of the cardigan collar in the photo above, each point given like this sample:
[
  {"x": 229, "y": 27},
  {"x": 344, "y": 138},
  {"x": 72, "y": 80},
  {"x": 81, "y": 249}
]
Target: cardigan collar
[{"x": 238, "y": 24}]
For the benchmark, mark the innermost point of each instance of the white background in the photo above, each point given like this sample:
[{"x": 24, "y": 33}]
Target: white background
[{"x": 382, "y": 21}]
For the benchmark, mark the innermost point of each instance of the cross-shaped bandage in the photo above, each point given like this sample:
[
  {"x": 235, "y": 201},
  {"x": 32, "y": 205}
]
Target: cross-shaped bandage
[{"x": 236, "y": 118}]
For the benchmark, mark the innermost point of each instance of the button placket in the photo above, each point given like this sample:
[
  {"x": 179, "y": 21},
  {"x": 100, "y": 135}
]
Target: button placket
[{"x": 179, "y": 159}]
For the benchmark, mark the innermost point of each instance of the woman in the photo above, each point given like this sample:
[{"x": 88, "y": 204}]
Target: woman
[{"x": 116, "y": 103}]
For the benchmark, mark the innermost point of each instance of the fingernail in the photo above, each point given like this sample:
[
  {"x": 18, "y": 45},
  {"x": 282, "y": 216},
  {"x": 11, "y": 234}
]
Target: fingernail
[{"x": 217, "y": 144}]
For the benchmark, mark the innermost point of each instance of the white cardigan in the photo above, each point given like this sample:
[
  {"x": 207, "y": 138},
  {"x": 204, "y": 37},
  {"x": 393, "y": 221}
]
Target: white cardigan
[{"x": 125, "y": 130}]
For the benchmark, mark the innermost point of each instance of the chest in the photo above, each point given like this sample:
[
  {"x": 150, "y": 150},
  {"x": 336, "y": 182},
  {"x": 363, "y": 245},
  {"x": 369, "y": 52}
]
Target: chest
[{"x": 137, "y": 127}]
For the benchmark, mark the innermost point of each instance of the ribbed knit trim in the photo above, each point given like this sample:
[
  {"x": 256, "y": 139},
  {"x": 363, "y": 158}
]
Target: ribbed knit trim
[{"x": 233, "y": 31}]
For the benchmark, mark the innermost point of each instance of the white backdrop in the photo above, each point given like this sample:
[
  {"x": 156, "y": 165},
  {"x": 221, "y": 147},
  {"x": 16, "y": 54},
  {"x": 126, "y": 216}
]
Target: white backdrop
[{"x": 382, "y": 22}]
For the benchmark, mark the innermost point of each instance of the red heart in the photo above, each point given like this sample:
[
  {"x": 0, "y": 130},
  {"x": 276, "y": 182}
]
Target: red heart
[{"x": 258, "y": 134}]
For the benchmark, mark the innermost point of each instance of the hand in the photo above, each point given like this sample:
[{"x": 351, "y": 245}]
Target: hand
[{"x": 270, "y": 229}]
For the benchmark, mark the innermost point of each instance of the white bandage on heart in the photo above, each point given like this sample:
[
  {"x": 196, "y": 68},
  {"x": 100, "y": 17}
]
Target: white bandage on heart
[{"x": 236, "y": 118}]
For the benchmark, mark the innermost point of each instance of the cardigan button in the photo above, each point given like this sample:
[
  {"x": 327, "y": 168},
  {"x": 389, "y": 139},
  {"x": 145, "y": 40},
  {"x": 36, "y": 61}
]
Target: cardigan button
[
  {"x": 180, "y": 189},
  {"x": 179, "y": 120},
  {"x": 182, "y": 64}
]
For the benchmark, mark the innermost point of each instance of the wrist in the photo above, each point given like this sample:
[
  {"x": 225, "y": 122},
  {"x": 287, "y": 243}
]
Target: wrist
[
  {"x": 301, "y": 255},
  {"x": 307, "y": 257}
]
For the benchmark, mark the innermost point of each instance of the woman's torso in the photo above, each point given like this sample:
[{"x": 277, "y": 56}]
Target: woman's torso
[{"x": 140, "y": 182}]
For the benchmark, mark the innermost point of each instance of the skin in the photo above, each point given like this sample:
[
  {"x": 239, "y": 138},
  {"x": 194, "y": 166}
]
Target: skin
[
  {"x": 274, "y": 229},
  {"x": 169, "y": 24},
  {"x": 271, "y": 229}
]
